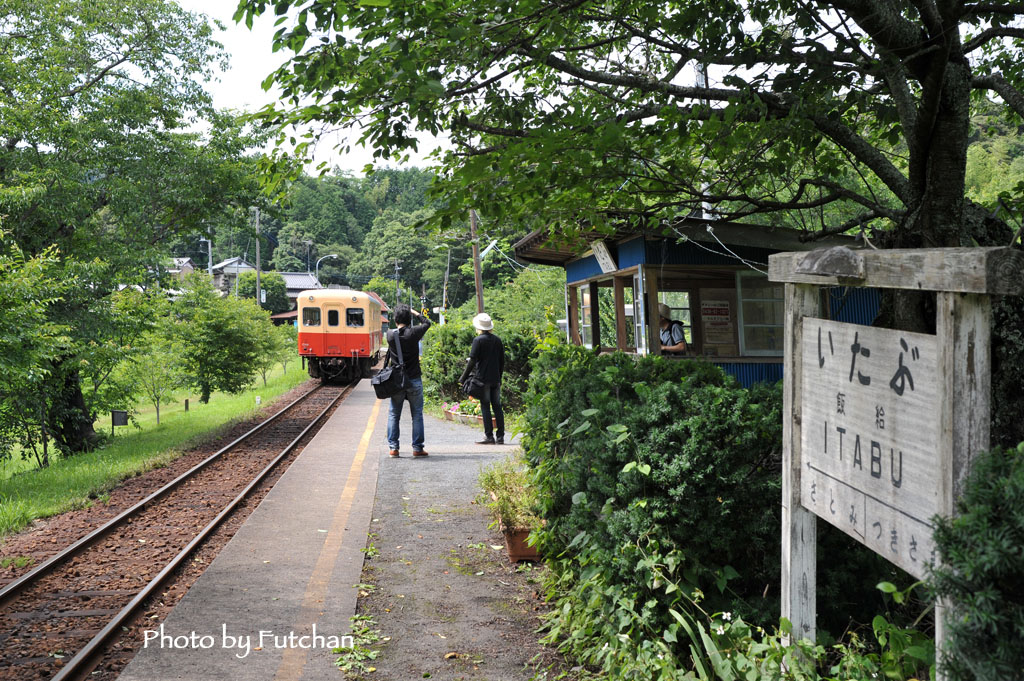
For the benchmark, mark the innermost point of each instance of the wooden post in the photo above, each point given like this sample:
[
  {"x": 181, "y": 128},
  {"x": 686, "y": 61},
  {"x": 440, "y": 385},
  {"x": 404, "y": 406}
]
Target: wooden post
[
  {"x": 963, "y": 327},
  {"x": 799, "y": 526},
  {"x": 620, "y": 315},
  {"x": 652, "y": 326},
  {"x": 595, "y": 318},
  {"x": 574, "y": 316}
]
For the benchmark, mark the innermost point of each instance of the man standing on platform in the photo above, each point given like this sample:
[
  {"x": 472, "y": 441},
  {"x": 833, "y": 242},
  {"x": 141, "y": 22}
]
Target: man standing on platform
[
  {"x": 409, "y": 337},
  {"x": 487, "y": 363}
]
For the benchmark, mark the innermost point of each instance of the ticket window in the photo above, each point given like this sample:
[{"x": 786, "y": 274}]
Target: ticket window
[{"x": 679, "y": 302}]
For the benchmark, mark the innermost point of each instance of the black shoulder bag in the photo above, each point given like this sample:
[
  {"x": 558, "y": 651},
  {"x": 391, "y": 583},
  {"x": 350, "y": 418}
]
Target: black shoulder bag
[{"x": 391, "y": 380}]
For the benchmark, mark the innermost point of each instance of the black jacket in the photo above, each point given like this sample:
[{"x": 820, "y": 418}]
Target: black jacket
[
  {"x": 410, "y": 337},
  {"x": 486, "y": 359}
]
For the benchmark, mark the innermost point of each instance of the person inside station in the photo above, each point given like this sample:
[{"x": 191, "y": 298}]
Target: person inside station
[{"x": 673, "y": 334}]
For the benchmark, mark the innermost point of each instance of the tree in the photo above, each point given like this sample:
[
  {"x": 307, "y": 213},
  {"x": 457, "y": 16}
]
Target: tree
[
  {"x": 100, "y": 160},
  {"x": 156, "y": 373},
  {"x": 273, "y": 283},
  {"x": 272, "y": 345},
  {"x": 216, "y": 338},
  {"x": 29, "y": 342},
  {"x": 852, "y": 114}
]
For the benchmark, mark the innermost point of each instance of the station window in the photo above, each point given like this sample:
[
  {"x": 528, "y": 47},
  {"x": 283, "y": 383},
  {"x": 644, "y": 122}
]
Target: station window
[
  {"x": 586, "y": 331},
  {"x": 311, "y": 316},
  {"x": 679, "y": 301},
  {"x": 354, "y": 317},
  {"x": 761, "y": 314},
  {"x": 333, "y": 318}
]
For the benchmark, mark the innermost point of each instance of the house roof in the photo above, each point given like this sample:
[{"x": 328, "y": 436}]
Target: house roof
[
  {"x": 235, "y": 263},
  {"x": 296, "y": 282},
  {"x": 181, "y": 262},
  {"x": 538, "y": 247},
  {"x": 383, "y": 306}
]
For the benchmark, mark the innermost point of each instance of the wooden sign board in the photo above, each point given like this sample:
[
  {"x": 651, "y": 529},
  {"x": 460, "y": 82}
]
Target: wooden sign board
[{"x": 870, "y": 436}]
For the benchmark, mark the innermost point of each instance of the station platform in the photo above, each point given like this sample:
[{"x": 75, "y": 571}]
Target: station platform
[{"x": 292, "y": 566}]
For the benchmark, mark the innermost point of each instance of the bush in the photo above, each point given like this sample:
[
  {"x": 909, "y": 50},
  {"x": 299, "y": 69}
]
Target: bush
[
  {"x": 982, "y": 571},
  {"x": 660, "y": 485},
  {"x": 446, "y": 348}
]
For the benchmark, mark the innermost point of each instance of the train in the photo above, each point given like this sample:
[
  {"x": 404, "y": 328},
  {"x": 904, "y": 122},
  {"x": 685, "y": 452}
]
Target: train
[{"x": 340, "y": 333}]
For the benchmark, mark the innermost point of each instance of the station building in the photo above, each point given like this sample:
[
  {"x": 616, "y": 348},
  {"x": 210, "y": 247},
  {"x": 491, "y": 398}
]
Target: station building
[{"x": 711, "y": 273}]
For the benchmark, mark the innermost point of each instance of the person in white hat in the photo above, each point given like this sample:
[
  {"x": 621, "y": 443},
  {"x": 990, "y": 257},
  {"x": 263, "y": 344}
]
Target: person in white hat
[
  {"x": 487, "y": 364},
  {"x": 673, "y": 337}
]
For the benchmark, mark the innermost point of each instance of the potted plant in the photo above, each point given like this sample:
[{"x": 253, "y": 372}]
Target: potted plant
[{"x": 511, "y": 501}]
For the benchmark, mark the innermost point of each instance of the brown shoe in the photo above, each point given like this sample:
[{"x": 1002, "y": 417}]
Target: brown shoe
[
  {"x": 420, "y": 453},
  {"x": 394, "y": 453}
]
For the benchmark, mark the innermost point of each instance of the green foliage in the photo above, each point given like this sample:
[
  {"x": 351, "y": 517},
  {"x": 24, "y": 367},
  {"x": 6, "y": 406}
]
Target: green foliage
[
  {"x": 155, "y": 373},
  {"x": 273, "y": 345},
  {"x": 101, "y": 168},
  {"x": 509, "y": 494},
  {"x": 659, "y": 482},
  {"x": 273, "y": 283},
  {"x": 216, "y": 338},
  {"x": 643, "y": 458},
  {"x": 981, "y": 570}
]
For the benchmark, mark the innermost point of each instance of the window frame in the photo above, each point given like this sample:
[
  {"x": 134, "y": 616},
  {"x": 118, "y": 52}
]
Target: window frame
[{"x": 743, "y": 325}]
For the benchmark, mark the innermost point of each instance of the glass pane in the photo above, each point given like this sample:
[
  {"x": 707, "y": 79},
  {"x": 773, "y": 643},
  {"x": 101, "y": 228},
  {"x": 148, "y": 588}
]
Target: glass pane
[
  {"x": 332, "y": 317},
  {"x": 627, "y": 296},
  {"x": 354, "y": 317},
  {"x": 763, "y": 338},
  {"x": 606, "y": 300},
  {"x": 760, "y": 287},
  {"x": 763, "y": 312},
  {"x": 311, "y": 316}
]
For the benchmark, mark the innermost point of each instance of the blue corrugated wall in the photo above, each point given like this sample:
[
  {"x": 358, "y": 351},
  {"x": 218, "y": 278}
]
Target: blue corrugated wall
[
  {"x": 749, "y": 374},
  {"x": 853, "y": 305}
]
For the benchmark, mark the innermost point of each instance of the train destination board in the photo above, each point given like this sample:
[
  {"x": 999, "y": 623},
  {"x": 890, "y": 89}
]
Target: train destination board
[{"x": 870, "y": 436}]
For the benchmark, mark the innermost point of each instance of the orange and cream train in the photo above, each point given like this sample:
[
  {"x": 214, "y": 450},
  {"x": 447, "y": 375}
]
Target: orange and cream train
[{"x": 339, "y": 333}]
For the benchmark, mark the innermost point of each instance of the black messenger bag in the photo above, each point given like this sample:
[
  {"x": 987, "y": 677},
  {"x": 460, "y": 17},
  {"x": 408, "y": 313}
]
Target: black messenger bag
[{"x": 391, "y": 380}]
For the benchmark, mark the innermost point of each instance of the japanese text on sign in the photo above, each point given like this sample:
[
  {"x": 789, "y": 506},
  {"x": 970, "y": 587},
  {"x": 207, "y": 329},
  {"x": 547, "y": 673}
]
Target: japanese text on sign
[{"x": 870, "y": 436}]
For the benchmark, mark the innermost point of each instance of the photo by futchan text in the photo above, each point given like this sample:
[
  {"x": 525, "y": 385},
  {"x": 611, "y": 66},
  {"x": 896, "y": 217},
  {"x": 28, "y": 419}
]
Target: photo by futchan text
[{"x": 243, "y": 644}]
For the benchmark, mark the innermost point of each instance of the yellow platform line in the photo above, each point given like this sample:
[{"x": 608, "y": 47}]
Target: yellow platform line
[{"x": 294, "y": 659}]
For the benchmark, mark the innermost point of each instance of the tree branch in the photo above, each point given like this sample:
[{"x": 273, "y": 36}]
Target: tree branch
[
  {"x": 988, "y": 34},
  {"x": 998, "y": 84},
  {"x": 866, "y": 154}
]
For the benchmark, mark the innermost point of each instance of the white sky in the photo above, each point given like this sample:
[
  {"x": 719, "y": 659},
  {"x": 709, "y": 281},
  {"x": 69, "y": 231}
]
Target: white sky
[{"x": 251, "y": 60}]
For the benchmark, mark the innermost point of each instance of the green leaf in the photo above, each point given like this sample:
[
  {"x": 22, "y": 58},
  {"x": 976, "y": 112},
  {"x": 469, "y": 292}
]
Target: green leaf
[
  {"x": 589, "y": 412},
  {"x": 374, "y": 3}
]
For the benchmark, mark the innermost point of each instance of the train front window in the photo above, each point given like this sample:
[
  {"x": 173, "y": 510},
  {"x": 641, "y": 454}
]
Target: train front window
[
  {"x": 354, "y": 317},
  {"x": 332, "y": 317},
  {"x": 311, "y": 316}
]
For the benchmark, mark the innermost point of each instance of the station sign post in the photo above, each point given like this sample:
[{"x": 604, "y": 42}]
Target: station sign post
[{"x": 880, "y": 425}]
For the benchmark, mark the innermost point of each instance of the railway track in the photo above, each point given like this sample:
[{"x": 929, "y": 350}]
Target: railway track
[{"x": 56, "y": 619}]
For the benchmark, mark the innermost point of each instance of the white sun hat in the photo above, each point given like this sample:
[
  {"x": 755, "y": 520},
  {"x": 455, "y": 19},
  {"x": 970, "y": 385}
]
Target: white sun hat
[{"x": 482, "y": 322}]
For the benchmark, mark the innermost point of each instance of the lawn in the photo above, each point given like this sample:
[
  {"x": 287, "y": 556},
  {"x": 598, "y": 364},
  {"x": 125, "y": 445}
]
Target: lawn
[{"x": 27, "y": 493}]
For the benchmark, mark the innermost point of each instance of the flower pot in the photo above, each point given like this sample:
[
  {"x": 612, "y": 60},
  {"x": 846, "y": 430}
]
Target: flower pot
[
  {"x": 448, "y": 415},
  {"x": 515, "y": 543}
]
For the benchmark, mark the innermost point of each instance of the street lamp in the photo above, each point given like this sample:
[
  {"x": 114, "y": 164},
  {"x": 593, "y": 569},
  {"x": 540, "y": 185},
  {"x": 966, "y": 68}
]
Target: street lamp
[{"x": 332, "y": 255}]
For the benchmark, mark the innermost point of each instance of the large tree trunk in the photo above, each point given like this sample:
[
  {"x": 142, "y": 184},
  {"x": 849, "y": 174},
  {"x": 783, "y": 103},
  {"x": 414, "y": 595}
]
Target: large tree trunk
[{"x": 72, "y": 424}]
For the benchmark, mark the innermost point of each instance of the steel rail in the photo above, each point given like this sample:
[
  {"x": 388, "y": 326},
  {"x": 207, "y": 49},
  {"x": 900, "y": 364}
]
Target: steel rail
[
  {"x": 76, "y": 665},
  {"x": 18, "y": 585}
]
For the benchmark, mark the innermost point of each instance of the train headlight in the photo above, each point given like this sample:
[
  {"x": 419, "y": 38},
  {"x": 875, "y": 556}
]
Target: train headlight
[{"x": 311, "y": 297}]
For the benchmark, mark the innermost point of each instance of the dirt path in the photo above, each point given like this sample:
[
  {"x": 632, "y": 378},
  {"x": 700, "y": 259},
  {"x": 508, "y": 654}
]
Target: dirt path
[{"x": 439, "y": 588}]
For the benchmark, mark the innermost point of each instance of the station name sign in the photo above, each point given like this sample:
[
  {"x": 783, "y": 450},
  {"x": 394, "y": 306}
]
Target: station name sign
[{"x": 870, "y": 436}]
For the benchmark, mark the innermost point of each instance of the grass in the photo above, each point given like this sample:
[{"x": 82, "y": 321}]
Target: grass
[{"x": 28, "y": 493}]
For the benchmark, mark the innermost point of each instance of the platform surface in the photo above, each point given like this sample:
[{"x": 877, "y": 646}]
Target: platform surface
[
  {"x": 297, "y": 559},
  {"x": 291, "y": 566}
]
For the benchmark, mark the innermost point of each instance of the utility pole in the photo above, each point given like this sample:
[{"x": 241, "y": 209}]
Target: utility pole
[
  {"x": 259, "y": 298},
  {"x": 397, "y": 269},
  {"x": 476, "y": 263}
]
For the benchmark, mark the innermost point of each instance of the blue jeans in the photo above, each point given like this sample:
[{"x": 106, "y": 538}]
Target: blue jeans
[{"x": 414, "y": 393}]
